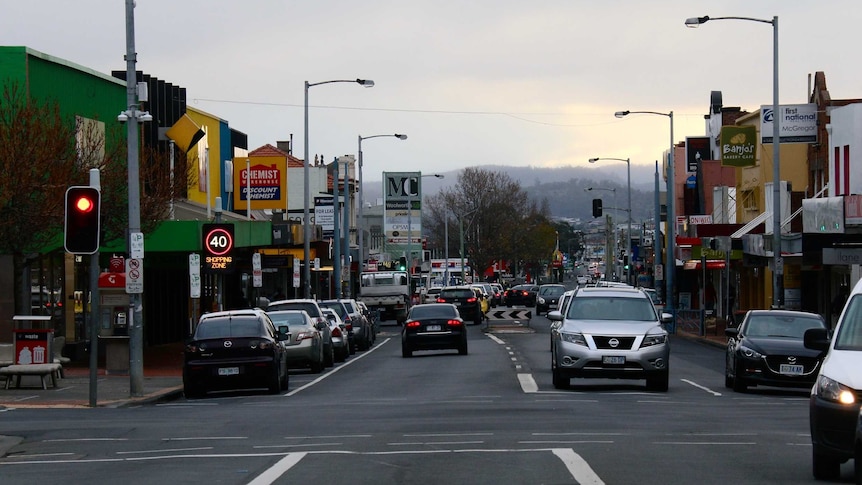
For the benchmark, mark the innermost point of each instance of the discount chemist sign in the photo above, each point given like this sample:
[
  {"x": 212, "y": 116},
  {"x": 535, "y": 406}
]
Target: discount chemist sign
[{"x": 218, "y": 244}]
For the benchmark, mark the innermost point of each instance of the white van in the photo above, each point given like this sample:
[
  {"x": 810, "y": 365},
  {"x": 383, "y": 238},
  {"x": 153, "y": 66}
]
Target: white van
[{"x": 836, "y": 395}]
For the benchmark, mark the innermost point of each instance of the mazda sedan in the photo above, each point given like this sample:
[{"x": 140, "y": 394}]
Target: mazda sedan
[
  {"x": 237, "y": 349},
  {"x": 433, "y": 326},
  {"x": 768, "y": 349}
]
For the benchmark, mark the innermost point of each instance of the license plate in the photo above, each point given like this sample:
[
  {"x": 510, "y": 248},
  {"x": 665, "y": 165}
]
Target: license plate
[
  {"x": 228, "y": 371},
  {"x": 433, "y": 328},
  {"x": 614, "y": 359},
  {"x": 790, "y": 370}
]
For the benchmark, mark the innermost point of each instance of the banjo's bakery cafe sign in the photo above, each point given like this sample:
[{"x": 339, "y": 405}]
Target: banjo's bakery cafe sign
[{"x": 262, "y": 180}]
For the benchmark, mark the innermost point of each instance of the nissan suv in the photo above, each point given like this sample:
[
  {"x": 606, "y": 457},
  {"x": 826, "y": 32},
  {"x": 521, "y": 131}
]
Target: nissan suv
[{"x": 610, "y": 333}]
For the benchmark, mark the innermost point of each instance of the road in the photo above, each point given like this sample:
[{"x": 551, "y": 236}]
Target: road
[{"x": 490, "y": 417}]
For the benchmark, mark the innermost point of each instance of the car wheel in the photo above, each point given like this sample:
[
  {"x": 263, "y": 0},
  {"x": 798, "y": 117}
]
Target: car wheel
[
  {"x": 857, "y": 463},
  {"x": 658, "y": 381},
  {"x": 739, "y": 384},
  {"x": 825, "y": 467},
  {"x": 328, "y": 356},
  {"x": 405, "y": 351},
  {"x": 285, "y": 379},
  {"x": 192, "y": 391},
  {"x": 560, "y": 381},
  {"x": 275, "y": 382},
  {"x": 317, "y": 366},
  {"x": 462, "y": 348},
  {"x": 728, "y": 376},
  {"x": 340, "y": 355},
  {"x": 352, "y": 346}
]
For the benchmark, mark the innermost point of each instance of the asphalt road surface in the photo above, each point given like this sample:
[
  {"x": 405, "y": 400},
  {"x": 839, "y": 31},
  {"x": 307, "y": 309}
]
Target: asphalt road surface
[{"x": 490, "y": 417}]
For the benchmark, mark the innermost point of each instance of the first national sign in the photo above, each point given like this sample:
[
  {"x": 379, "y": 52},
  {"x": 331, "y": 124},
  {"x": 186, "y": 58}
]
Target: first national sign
[{"x": 218, "y": 245}]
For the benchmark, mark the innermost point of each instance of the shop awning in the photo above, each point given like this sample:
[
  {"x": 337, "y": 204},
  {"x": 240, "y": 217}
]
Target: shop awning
[{"x": 710, "y": 264}]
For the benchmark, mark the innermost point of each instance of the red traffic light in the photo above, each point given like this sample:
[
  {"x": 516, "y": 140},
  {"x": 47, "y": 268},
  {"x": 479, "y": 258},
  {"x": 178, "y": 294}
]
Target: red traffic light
[{"x": 82, "y": 221}]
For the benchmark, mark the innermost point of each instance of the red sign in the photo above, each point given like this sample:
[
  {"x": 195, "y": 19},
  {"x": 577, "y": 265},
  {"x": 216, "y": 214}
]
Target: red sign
[
  {"x": 113, "y": 280},
  {"x": 33, "y": 346}
]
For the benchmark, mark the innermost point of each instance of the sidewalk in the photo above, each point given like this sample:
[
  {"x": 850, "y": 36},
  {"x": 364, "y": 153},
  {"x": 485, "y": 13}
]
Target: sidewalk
[{"x": 162, "y": 380}]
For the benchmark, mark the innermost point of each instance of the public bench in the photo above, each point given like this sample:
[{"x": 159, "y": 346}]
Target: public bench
[{"x": 42, "y": 370}]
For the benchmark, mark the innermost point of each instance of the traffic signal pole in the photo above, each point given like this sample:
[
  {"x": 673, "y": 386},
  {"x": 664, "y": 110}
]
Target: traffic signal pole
[
  {"x": 136, "y": 327},
  {"x": 95, "y": 181}
]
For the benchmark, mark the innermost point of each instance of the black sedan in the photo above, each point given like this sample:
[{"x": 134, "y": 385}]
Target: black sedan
[
  {"x": 238, "y": 349},
  {"x": 521, "y": 295},
  {"x": 767, "y": 349},
  {"x": 549, "y": 297},
  {"x": 433, "y": 326}
]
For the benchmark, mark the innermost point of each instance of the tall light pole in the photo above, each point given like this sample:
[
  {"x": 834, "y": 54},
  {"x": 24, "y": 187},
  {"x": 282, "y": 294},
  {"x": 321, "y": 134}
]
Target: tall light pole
[
  {"x": 671, "y": 216},
  {"x": 629, "y": 237},
  {"x": 361, "y": 224},
  {"x": 306, "y": 220},
  {"x": 778, "y": 261}
]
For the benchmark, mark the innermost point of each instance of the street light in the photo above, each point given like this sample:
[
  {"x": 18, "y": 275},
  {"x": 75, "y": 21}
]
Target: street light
[
  {"x": 361, "y": 225},
  {"x": 410, "y": 222},
  {"x": 778, "y": 261},
  {"x": 671, "y": 217},
  {"x": 306, "y": 222},
  {"x": 629, "y": 237}
]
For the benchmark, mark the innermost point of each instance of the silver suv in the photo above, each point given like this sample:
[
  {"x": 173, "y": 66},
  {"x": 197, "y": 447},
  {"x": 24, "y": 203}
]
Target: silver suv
[{"x": 611, "y": 333}]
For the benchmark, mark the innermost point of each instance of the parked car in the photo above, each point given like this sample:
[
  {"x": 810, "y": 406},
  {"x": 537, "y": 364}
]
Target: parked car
[
  {"x": 835, "y": 397},
  {"x": 359, "y": 333},
  {"x": 433, "y": 326},
  {"x": 548, "y": 297},
  {"x": 484, "y": 300},
  {"x": 371, "y": 316},
  {"x": 340, "y": 340},
  {"x": 612, "y": 333},
  {"x": 304, "y": 348},
  {"x": 320, "y": 322},
  {"x": 235, "y": 349},
  {"x": 488, "y": 291},
  {"x": 521, "y": 295},
  {"x": 767, "y": 349},
  {"x": 356, "y": 312},
  {"x": 465, "y": 300}
]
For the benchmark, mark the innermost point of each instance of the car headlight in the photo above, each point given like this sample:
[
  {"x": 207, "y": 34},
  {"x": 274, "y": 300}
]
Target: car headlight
[
  {"x": 541, "y": 300},
  {"x": 749, "y": 353},
  {"x": 651, "y": 340},
  {"x": 574, "y": 338},
  {"x": 832, "y": 390}
]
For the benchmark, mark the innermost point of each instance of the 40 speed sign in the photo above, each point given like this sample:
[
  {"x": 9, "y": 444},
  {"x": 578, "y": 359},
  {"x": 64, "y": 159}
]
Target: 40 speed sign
[{"x": 218, "y": 244}]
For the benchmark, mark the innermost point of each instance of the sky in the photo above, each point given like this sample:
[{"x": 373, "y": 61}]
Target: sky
[{"x": 470, "y": 82}]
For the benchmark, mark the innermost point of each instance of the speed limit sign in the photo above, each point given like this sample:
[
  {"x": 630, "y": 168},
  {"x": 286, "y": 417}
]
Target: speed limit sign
[{"x": 218, "y": 244}]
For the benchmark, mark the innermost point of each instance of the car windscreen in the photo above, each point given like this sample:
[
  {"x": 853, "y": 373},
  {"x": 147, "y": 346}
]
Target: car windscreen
[
  {"x": 610, "y": 308},
  {"x": 229, "y": 327},
  {"x": 336, "y": 306},
  {"x": 312, "y": 309},
  {"x": 288, "y": 318},
  {"x": 433, "y": 311},
  {"x": 552, "y": 290},
  {"x": 789, "y": 326},
  {"x": 460, "y": 293}
]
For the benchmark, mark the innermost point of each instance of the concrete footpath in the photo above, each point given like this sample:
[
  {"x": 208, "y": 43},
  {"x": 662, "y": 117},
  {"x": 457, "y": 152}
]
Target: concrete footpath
[{"x": 162, "y": 381}]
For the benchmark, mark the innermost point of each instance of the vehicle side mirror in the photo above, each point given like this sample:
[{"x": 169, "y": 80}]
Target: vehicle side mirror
[
  {"x": 319, "y": 325},
  {"x": 816, "y": 339},
  {"x": 283, "y": 332},
  {"x": 555, "y": 316},
  {"x": 731, "y": 332}
]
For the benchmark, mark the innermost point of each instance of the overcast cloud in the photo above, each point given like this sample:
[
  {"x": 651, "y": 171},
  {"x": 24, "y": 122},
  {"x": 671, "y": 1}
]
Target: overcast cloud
[{"x": 470, "y": 82}]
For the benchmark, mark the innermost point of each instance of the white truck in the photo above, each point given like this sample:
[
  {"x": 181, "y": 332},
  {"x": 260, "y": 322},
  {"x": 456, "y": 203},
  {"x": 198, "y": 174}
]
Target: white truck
[{"x": 387, "y": 292}]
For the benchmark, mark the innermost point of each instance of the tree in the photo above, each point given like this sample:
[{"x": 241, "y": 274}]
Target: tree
[
  {"x": 496, "y": 214},
  {"x": 41, "y": 155}
]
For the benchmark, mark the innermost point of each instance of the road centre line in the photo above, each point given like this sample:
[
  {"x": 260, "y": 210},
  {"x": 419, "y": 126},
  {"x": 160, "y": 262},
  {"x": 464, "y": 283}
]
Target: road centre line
[
  {"x": 336, "y": 369},
  {"x": 495, "y": 338},
  {"x": 528, "y": 384},
  {"x": 274, "y": 472},
  {"x": 578, "y": 467},
  {"x": 164, "y": 450},
  {"x": 703, "y": 388}
]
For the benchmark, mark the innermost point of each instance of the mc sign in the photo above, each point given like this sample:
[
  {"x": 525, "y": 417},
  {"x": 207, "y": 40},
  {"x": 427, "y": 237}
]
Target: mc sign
[{"x": 218, "y": 244}]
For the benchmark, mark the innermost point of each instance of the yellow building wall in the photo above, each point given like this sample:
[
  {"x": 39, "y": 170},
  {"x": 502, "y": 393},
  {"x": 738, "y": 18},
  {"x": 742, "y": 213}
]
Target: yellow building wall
[{"x": 202, "y": 173}]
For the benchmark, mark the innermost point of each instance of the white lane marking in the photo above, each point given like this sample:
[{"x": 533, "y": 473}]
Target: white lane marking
[
  {"x": 564, "y": 442},
  {"x": 578, "y": 467},
  {"x": 436, "y": 443},
  {"x": 495, "y": 338},
  {"x": 328, "y": 437},
  {"x": 333, "y": 371},
  {"x": 579, "y": 434},
  {"x": 165, "y": 450},
  {"x": 64, "y": 440},
  {"x": 274, "y": 472},
  {"x": 259, "y": 447},
  {"x": 39, "y": 455},
  {"x": 704, "y": 388},
  {"x": 438, "y": 435},
  {"x": 528, "y": 384},
  {"x": 707, "y": 443},
  {"x": 196, "y": 438}
]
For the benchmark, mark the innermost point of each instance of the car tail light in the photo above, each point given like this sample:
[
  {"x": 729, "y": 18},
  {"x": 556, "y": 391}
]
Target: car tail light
[
  {"x": 348, "y": 327},
  {"x": 266, "y": 344},
  {"x": 471, "y": 300},
  {"x": 524, "y": 293},
  {"x": 303, "y": 335},
  {"x": 412, "y": 324},
  {"x": 454, "y": 323},
  {"x": 441, "y": 300},
  {"x": 336, "y": 332}
]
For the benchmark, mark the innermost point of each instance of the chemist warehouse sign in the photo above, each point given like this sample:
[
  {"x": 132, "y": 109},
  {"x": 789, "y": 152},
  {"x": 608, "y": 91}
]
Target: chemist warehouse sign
[{"x": 262, "y": 177}]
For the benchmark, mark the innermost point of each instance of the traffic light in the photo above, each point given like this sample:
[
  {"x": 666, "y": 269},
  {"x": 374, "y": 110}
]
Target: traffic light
[
  {"x": 402, "y": 263},
  {"x": 81, "y": 227},
  {"x": 597, "y": 207}
]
